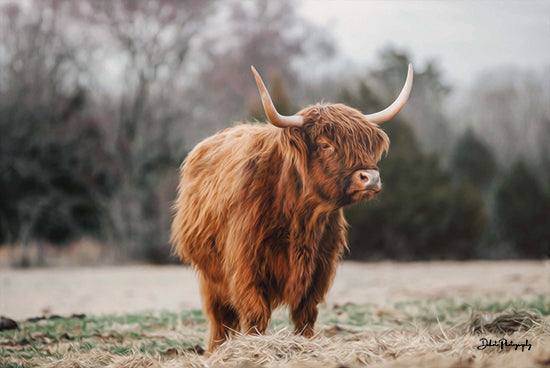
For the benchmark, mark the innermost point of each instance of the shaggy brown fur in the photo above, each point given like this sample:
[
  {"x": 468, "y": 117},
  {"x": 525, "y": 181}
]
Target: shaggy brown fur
[{"x": 259, "y": 214}]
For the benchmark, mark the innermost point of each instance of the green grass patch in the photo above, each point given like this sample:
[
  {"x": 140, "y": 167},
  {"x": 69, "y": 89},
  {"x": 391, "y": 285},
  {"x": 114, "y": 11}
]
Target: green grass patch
[
  {"x": 164, "y": 334},
  {"x": 152, "y": 333}
]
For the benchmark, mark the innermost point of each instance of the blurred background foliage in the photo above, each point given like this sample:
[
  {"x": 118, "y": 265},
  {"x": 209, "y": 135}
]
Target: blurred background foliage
[{"x": 101, "y": 101}]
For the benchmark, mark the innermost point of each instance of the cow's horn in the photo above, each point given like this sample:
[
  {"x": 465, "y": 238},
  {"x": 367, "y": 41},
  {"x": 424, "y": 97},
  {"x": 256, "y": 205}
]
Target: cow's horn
[
  {"x": 392, "y": 110},
  {"x": 274, "y": 117}
]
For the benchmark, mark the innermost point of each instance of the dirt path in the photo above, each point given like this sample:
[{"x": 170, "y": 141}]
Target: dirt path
[{"x": 28, "y": 293}]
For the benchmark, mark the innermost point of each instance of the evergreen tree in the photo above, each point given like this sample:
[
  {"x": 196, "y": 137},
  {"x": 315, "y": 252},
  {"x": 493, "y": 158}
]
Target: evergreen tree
[
  {"x": 472, "y": 161},
  {"x": 419, "y": 214},
  {"x": 523, "y": 210}
]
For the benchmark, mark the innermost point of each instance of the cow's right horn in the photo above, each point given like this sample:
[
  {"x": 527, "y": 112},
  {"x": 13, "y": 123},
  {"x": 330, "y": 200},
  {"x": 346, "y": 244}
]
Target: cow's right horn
[{"x": 274, "y": 117}]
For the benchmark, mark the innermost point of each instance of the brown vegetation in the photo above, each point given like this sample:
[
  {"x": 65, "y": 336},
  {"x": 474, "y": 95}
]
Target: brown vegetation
[
  {"x": 430, "y": 347},
  {"x": 379, "y": 314}
]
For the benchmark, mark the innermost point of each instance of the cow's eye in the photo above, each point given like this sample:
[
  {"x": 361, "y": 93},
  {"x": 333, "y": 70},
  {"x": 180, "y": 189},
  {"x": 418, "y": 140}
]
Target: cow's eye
[{"x": 325, "y": 146}]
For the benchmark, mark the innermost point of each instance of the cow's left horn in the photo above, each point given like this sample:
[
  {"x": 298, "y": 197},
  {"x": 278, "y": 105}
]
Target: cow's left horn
[
  {"x": 274, "y": 117},
  {"x": 392, "y": 110}
]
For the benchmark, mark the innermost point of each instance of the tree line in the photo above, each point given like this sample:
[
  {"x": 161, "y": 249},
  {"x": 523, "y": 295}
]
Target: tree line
[
  {"x": 463, "y": 206},
  {"x": 101, "y": 101}
]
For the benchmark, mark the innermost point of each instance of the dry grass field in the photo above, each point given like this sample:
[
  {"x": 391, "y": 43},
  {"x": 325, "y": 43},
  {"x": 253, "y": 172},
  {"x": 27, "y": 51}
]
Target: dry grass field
[{"x": 377, "y": 315}]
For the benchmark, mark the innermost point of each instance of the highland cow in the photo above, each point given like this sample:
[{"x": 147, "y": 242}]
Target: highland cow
[{"x": 259, "y": 210}]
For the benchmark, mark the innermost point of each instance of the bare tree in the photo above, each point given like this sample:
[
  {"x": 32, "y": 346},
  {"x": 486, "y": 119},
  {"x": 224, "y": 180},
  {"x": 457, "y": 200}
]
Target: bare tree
[
  {"x": 151, "y": 42},
  {"x": 267, "y": 34},
  {"x": 510, "y": 109},
  {"x": 123, "y": 64},
  {"x": 37, "y": 79}
]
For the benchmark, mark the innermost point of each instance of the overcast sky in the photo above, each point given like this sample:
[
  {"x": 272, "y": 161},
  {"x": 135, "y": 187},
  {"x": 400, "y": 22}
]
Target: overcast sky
[{"x": 465, "y": 37}]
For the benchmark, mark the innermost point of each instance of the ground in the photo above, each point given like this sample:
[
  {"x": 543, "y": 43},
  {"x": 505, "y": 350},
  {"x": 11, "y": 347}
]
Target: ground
[{"x": 376, "y": 314}]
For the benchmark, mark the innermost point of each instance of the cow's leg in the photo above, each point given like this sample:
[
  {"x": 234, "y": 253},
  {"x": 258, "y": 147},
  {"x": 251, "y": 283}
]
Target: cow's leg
[
  {"x": 304, "y": 316},
  {"x": 304, "y": 312},
  {"x": 253, "y": 308},
  {"x": 223, "y": 322},
  {"x": 221, "y": 315},
  {"x": 255, "y": 314}
]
